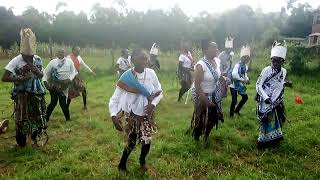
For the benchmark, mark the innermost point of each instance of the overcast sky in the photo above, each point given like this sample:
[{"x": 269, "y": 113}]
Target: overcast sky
[{"x": 190, "y": 7}]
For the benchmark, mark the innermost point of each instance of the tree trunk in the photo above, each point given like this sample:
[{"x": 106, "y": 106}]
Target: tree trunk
[{"x": 50, "y": 48}]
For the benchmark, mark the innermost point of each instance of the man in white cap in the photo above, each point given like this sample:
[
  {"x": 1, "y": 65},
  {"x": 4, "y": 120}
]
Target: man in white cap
[
  {"x": 270, "y": 94},
  {"x": 25, "y": 71},
  {"x": 240, "y": 79},
  {"x": 154, "y": 53}
]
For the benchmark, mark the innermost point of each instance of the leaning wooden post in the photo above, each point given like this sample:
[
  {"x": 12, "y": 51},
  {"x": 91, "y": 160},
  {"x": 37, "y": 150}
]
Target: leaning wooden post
[
  {"x": 50, "y": 48},
  {"x": 112, "y": 53}
]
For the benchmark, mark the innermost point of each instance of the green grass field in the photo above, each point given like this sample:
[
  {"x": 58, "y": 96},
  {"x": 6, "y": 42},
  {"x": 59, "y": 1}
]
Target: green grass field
[{"x": 89, "y": 147}]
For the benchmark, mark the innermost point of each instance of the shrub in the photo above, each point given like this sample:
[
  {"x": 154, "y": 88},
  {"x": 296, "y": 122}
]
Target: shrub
[{"x": 299, "y": 56}]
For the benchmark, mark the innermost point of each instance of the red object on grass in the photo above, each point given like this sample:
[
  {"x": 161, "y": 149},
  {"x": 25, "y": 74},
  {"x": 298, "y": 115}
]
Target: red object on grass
[{"x": 298, "y": 100}]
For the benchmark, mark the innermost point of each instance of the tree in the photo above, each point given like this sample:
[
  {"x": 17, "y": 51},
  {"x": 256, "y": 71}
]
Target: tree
[
  {"x": 124, "y": 27},
  {"x": 9, "y": 31},
  {"x": 299, "y": 24}
]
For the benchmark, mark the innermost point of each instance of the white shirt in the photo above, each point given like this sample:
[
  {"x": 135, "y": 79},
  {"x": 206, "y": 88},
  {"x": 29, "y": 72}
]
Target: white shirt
[
  {"x": 67, "y": 71},
  {"x": 208, "y": 83},
  {"x": 18, "y": 63},
  {"x": 124, "y": 64},
  {"x": 225, "y": 61},
  {"x": 272, "y": 88},
  {"x": 129, "y": 102},
  {"x": 235, "y": 73},
  {"x": 186, "y": 62},
  {"x": 16, "y": 67},
  {"x": 81, "y": 61}
]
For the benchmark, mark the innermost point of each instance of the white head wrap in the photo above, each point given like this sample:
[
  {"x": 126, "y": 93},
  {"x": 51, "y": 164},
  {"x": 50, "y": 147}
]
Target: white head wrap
[
  {"x": 154, "y": 49},
  {"x": 245, "y": 51},
  {"x": 229, "y": 43},
  {"x": 279, "y": 50},
  {"x": 28, "y": 42}
]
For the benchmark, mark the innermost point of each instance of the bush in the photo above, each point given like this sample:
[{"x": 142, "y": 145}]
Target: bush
[
  {"x": 269, "y": 36},
  {"x": 299, "y": 56}
]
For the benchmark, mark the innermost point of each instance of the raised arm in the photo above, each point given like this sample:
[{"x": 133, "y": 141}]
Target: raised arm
[{"x": 85, "y": 65}]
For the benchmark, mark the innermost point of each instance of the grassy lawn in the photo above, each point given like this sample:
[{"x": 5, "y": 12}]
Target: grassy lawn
[{"x": 89, "y": 147}]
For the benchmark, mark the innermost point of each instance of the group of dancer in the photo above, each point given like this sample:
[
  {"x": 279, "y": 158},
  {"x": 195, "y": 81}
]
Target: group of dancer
[
  {"x": 61, "y": 78},
  {"x": 138, "y": 91},
  {"x": 214, "y": 73}
]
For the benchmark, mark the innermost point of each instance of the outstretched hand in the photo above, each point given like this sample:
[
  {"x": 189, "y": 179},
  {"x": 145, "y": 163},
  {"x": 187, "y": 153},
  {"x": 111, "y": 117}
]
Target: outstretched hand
[
  {"x": 34, "y": 69},
  {"x": 288, "y": 84}
]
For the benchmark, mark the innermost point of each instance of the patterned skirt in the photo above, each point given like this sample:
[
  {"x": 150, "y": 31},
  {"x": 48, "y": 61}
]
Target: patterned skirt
[
  {"x": 29, "y": 113},
  {"x": 270, "y": 131},
  {"x": 59, "y": 85},
  {"x": 139, "y": 129},
  {"x": 185, "y": 78},
  {"x": 77, "y": 86},
  {"x": 204, "y": 119}
]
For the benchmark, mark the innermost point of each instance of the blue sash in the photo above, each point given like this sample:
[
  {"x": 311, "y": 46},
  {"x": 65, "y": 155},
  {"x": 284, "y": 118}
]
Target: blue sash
[
  {"x": 54, "y": 74},
  {"x": 129, "y": 79}
]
